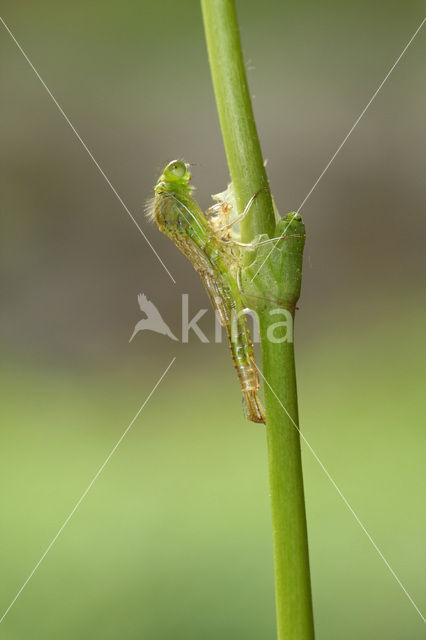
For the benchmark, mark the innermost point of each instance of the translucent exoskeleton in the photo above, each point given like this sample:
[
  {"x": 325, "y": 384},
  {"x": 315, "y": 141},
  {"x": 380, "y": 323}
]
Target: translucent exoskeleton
[{"x": 209, "y": 244}]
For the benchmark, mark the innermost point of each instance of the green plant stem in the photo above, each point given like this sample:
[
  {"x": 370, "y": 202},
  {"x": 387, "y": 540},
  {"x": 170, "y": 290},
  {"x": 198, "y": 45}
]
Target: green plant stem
[
  {"x": 246, "y": 167},
  {"x": 236, "y": 117},
  {"x": 291, "y": 558}
]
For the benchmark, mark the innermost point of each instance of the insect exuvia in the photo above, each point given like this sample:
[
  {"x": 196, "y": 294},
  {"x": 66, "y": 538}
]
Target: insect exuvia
[{"x": 205, "y": 239}]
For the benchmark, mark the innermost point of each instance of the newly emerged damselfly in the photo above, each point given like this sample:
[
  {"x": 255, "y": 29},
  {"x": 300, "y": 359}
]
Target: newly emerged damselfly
[{"x": 206, "y": 240}]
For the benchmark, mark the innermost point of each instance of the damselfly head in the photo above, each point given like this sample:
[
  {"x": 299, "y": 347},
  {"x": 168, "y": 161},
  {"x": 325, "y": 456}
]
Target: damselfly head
[{"x": 177, "y": 171}]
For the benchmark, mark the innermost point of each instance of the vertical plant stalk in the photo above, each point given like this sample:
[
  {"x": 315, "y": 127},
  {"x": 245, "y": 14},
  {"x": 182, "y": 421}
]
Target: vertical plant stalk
[
  {"x": 246, "y": 167},
  {"x": 236, "y": 117}
]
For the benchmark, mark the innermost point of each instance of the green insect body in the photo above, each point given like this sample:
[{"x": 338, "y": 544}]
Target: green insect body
[{"x": 179, "y": 217}]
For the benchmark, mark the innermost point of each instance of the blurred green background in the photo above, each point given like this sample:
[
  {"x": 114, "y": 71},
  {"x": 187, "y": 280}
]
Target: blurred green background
[{"x": 174, "y": 540}]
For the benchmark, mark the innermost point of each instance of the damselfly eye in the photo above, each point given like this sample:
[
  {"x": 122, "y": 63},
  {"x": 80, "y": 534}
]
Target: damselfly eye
[{"x": 178, "y": 169}]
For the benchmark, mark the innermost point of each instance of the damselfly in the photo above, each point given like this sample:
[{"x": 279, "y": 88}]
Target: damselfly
[{"x": 206, "y": 240}]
